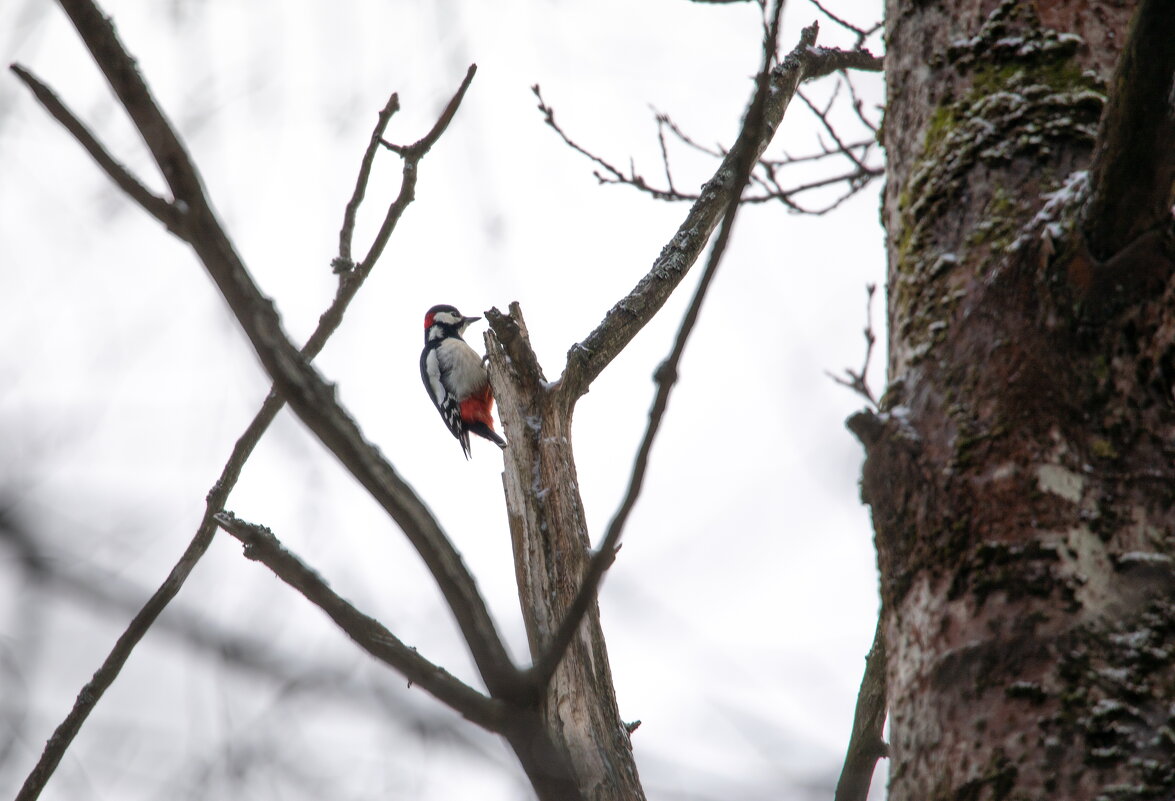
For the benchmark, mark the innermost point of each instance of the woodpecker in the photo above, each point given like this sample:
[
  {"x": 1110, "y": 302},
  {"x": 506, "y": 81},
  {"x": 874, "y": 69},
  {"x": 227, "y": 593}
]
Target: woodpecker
[{"x": 455, "y": 377}]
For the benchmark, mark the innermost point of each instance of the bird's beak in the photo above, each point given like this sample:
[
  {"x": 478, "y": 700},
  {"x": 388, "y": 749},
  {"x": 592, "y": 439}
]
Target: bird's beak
[{"x": 467, "y": 320}]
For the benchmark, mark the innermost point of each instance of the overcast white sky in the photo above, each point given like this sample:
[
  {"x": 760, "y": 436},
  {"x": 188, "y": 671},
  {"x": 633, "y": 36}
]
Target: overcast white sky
[{"x": 744, "y": 599}]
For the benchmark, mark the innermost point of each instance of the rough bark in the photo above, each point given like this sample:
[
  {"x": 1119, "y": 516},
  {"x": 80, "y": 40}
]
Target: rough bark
[
  {"x": 551, "y": 547},
  {"x": 1020, "y": 471}
]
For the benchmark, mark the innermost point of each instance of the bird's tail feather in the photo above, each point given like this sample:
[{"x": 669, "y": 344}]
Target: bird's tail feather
[{"x": 483, "y": 430}]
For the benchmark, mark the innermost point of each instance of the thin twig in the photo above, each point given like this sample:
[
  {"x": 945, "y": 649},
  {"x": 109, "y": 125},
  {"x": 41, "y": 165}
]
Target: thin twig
[
  {"x": 864, "y": 145},
  {"x": 664, "y": 119},
  {"x": 157, "y": 207},
  {"x": 859, "y": 381},
  {"x": 587, "y": 358},
  {"x": 610, "y": 173},
  {"x": 862, "y": 33},
  {"x": 856, "y": 181},
  {"x": 841, "y": 147},
  {"x": 367, "y": 632},
  {"x": 412, "y": 154},
  {"x": 859, "y": 109},
  {"x": 667, "y": 372},
  {"x": 661, "y": 122},
  {"x": 425, "y": 143},
  {"x": 773, "y": 189},
  {"x": 346, "y": 234},
  {"x": 549, "y": 119}
]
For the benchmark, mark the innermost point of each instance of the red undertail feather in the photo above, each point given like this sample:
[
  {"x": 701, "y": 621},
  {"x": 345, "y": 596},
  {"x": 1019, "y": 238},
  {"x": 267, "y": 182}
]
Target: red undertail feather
[
  {"x": 477, "y": 408},
  {"x": 476, "y": 419}
]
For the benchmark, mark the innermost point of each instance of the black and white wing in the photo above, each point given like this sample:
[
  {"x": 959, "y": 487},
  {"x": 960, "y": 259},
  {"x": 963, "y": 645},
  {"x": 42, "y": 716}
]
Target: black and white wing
[{"x": 443, "y": 397}]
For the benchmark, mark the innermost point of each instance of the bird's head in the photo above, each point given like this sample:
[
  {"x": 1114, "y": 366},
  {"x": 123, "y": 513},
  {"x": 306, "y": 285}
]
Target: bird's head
[{"x": 445, "y": 320}]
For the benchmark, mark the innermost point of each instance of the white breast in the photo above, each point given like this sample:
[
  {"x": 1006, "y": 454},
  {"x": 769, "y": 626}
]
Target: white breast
[{"x": 460, "y": 367}]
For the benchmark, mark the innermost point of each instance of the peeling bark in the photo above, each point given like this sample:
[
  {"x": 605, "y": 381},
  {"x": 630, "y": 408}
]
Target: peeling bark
[
  {"x": 551, "y": 549},
  {"x": 1020, "y": 471}
]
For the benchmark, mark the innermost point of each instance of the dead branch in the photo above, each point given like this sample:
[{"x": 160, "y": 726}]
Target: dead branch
[
  {"x": 368, "y": 633},
  {"x": 666, "y": 375}
]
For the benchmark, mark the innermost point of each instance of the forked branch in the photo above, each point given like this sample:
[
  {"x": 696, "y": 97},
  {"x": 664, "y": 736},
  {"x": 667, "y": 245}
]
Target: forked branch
[
  {"x": 308, "y": 394},
  {"x": 754, "y": 122},
  {"x": 767, "y": 179},
  {"x": 806, "y": 61},
  {"x": 368, "y": 633},
  {"x": 157, "y": 207},
  {"x": 90, "y": 19}
]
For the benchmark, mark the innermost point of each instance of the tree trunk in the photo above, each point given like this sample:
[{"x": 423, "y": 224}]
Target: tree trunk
[
  {"x": 549, "y": 534},
  {"x": 1020, "y": 471}
]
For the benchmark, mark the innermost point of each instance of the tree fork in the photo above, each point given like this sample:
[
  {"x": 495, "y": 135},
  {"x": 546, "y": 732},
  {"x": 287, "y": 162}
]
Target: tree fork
[{"x": 548, "y": 530}]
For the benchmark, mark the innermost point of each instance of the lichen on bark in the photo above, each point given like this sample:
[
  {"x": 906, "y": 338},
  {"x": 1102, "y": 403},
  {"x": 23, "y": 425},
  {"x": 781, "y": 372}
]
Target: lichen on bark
[{"x": 1020, "y": 472}]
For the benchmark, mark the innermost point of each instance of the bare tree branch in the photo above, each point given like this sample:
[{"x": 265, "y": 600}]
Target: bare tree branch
[
  {"x": 862, "y": 33},
  {"x": 841, "y": 147},
  {"x": 352, "y": 279},
  {"x": 154, "y": 205},
  {"x": 856, "y": 181},
  {"x": 421, "y": 146},
  {"x": 866, "y": 745},
  {"x": 343, "y": 262},
  {"x": 349, "y": 285},
  {"x": 244, "y": 652},
  {"x": 612, "y": 174},
  {"x": 864, "y": 145},
  {"x": 367, "y": 632},
  {"x": 307, "y": 393},
  {"x": 1133, "y": 171},
  {"x": 859, "y": 109},
  {"x": 664, "y": 120},
  {"x": 666, "y": 374},
  {"x": 859, "y": 381},
  {"x": 122, "y": 73},
  {"x": 773, "y": 189},
  {"x": 588, "y": 358}
]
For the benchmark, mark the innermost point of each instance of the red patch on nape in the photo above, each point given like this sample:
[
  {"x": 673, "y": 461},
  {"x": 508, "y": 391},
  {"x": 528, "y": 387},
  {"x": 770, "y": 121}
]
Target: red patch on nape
[{"x": 428, "y": 318}]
